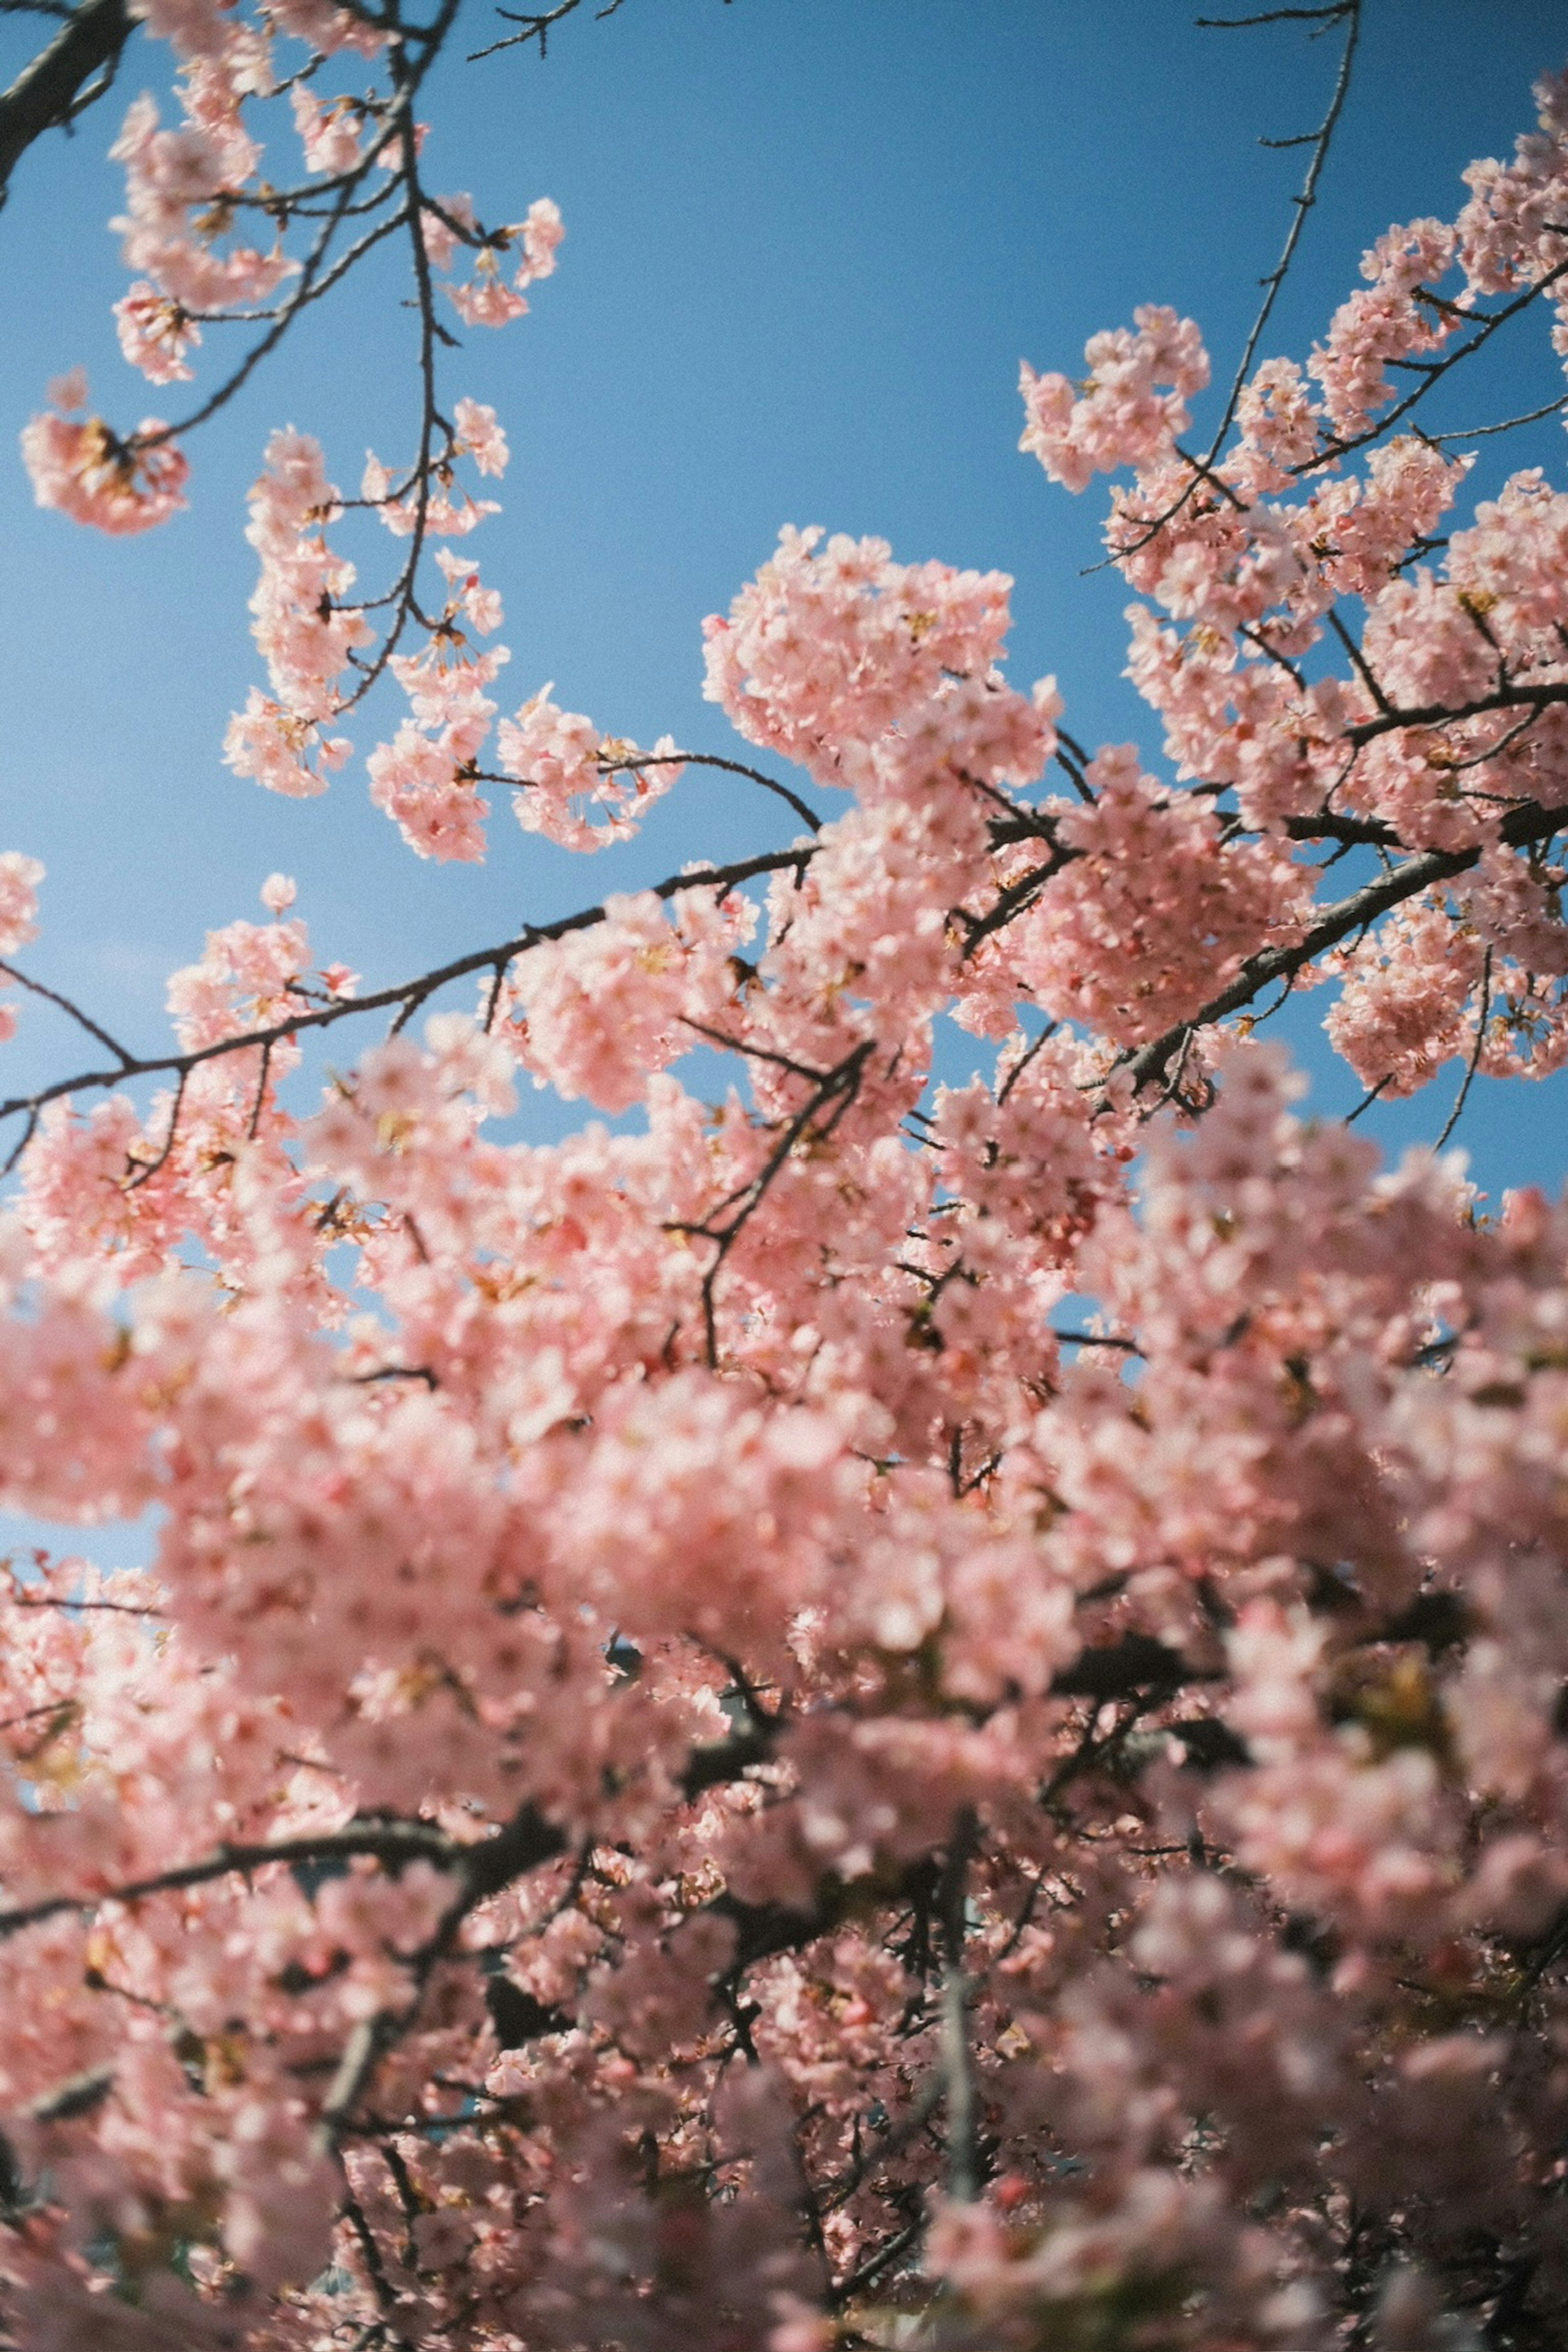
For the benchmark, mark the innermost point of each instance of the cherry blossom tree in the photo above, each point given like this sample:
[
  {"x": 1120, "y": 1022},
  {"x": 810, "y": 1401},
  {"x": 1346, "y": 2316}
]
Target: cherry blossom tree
[{"x": 885, "y": 1714}]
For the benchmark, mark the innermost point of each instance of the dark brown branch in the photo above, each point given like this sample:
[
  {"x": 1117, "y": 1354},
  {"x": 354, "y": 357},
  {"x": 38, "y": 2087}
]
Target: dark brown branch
[
  {"x": 959, "y": 2095},
  {"x": 677, "y": 759},
  {"x": 1324, "y": 17},
  {"x": 1482, "y": 1015},
  {"x": 406, "y": 79},
  {"x": 835, "y": 1091},
  {"x": 536, "y": 27},
  {"x": 1124, "y": 1669},
  {"x": 1024, "y": 1060},
  {"x": 755, "y": 1053},
  {"x": 317, "y": 277},
  {"x": 1329, "y": 825},
  {"x": 1302, "y": 203},
  {"x": 393, "y": 1843},
  {"x": 1432, "y": 374},
  {"x": 1355, "y": 913},
  {"x": 847, "y": 2289},
  {"x": 1016, "y": 900},
  {"x": 77, "y": 2096},
  {"x": 724, "y": 877},
  {"x": 1359, "y": 662},
  {"x": 309, "y": 289},
  {"x": 254, "y": 1125},
  {"x": 1390, "y": 719},
  {"x": 53, "y": 89},
  {"x": 1507, "y": 425},
  {"x": 53, "y": 996},
  {"x": 733, "y": 768},
  {"x": 375, "y": 2271},
  {"x": 484, "y": 1867},
  {"x": 1097, "y": 1339},
  {"x": 149, "y": 1169},
  {"x": 725, "y": 1761}
]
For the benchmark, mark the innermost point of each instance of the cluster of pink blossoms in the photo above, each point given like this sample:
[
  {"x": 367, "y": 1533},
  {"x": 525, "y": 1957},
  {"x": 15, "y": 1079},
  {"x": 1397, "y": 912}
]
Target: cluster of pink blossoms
[
  {"x": 872, "y": 1713},
  {"x": 192, "y": 194},
  {"x": 485, "y": 300},
  {"x": 306, "y": 632},
  {"x": 1118, "y": 417},
  {"x": 827, "y": 648},
  {"x": 81, "y": 467},
  {"x": 19, "y": 878}
]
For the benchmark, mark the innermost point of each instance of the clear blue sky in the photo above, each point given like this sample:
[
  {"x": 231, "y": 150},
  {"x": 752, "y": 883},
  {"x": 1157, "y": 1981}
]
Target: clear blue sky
[{"x": 808, "y": 243}]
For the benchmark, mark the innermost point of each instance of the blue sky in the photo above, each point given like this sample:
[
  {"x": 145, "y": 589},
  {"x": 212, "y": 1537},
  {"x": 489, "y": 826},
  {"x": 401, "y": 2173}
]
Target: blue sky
[{"x": 808, "y": 243}]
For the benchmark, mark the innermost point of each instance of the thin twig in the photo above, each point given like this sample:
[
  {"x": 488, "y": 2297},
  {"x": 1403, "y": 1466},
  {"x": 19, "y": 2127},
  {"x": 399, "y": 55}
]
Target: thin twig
[
  {"x": 1509, "y": 424},
  {"x": 1432, "y": 374},
  {"x": 1302, "y": 203},
  {"x": 1024, "y": 1060},
  {"x": 36, "y": 988},
  {"x": 536, "y": 27},
  {"x": 255, "y": 1125},
  {"x": 637, "y": 761},
  {"x": 719, "y": 878},
  {"x": 1485, "y": 1008},
  {"x": 1368, "y": 1099},
  {"x": 835, "y": 1091},
  {"x": 149, "y": 1169}
]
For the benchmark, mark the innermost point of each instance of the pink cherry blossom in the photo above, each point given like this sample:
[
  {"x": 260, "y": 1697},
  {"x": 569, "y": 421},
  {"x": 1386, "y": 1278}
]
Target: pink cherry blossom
[
  {"x": 577, "y": 787},
  {"x": 480, "y": 437},
  {"x": 1117, "y": 417},
  {"x": 89, "y": 474}
]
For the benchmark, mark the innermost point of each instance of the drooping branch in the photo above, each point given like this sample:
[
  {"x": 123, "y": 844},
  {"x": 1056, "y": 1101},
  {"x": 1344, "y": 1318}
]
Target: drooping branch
[
  {"x": 635, "y": 763},
  {"x": 73, "y": 1012}
]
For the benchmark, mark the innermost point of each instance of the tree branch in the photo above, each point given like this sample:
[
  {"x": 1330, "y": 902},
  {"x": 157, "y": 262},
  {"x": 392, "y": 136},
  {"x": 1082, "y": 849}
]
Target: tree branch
[
  {"x": 957, "y": 2064},
  {"x": 52, "y": 91},
  {"x": 407, "y": 992},
  {"x": 1336, "y": 922}
]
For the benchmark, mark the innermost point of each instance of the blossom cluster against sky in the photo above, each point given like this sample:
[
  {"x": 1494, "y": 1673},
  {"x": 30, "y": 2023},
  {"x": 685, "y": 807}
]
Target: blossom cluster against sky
[{"x": 807, "y": 244}]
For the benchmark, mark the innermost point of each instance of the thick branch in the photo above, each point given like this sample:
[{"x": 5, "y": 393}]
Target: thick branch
[
  {"x": 485, "y": 1865},
  {"x": 1439, "y": 714},
  {"x": 1136, "y": 1663},
  {"x": 389, "y": 1841},
  {"x": 52, "y": 89}
]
